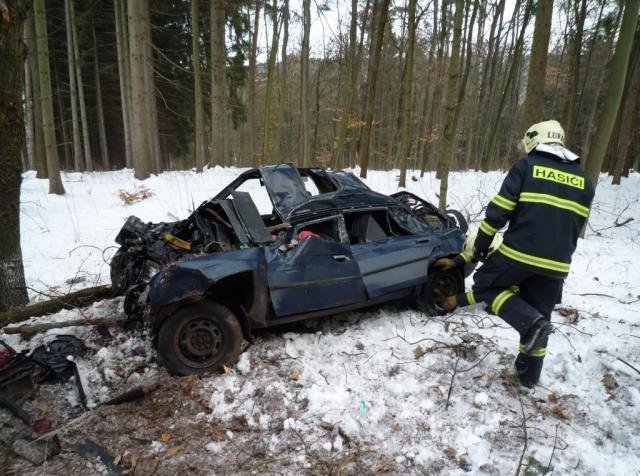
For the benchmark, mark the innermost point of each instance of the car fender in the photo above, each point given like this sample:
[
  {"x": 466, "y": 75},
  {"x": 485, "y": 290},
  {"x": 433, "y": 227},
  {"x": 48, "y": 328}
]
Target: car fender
[{"x": 235, "y": 279}]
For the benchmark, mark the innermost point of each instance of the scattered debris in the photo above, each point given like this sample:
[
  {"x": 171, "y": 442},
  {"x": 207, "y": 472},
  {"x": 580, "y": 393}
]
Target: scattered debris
[
  {"x": 137, "y": 195},
  {"x": 570, "y": 314},
  {"x": 89, "y": 449}
]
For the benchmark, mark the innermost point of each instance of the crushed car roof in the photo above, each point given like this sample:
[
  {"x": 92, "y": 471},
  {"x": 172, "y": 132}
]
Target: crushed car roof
[{"x": 338, "y": 190}]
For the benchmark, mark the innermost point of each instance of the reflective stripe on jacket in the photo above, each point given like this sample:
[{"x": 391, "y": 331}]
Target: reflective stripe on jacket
[{"x": 546, "y": 202}]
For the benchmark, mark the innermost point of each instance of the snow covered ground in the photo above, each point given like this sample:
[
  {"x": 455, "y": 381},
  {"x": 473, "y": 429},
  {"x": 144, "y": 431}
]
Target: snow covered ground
[{"x": 384, "y": 390}]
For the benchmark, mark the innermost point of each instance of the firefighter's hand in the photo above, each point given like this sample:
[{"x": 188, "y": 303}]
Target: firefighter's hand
[{"x": 445, "y": 263}]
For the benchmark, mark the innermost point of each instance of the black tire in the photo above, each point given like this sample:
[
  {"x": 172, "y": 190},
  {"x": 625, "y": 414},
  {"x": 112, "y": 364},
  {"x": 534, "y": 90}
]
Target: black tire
[
  {"x": 199, "y": 338},
  {"x": 440, "y": 283},
  {"x": 459, "y": 219}
]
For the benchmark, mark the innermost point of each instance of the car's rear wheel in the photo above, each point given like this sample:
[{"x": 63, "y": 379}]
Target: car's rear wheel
[
  {"x": 441, "y": 284},
  {"x": 199, "y": 338}
]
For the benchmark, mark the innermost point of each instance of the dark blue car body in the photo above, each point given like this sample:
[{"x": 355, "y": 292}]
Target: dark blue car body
[{"x": 360, "y": 248}]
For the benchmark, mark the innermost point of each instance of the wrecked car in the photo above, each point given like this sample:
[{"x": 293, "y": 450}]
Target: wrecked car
[{"x": 328, "y": 245}]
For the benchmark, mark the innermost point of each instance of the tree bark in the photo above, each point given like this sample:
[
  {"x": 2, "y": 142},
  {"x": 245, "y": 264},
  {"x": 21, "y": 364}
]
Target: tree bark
[
  {"x": 615, "y": 87},
  {"x": 40, "y": 157},
  {"x": 267, "y": 153},
  {"x": 534, "y": 102},
  {"x": 13, "y": 291},
  {"x": 574, "y": 73},
  {"x": 340, "y": 138},
  {"x": 150, "y": 94},
  {"x": 304, "y": 87},
  {"x": 78, "y": 159},
  {"x": 140, "y": 143},
  {"x": 379, "y": 20},
  {"x": 102, "y": 133},
  {"x": 452, "y": 105},
  {"x": 253, "y": 132},
  {"x": 124, "y": 77},
  {"x": 80, "y": 298},
  {"x": 487, "y": 159},
  {"x": 218, "y": 83},
  {"x": 28, "y": 108},
  {"x": 404, "y": 120},
  {"x": 46, "y": 100},
  {"x": 282, "y": 145},
  {"x": 197, "y": 78},
  {"x": 86, "y": 141},
  {"x": 629, "y": 111}
]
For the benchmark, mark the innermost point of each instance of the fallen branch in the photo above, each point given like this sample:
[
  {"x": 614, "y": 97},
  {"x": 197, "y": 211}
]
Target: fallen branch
[
  {"x": 29, "y": 329},
  {"x": 81, "y": 298}
]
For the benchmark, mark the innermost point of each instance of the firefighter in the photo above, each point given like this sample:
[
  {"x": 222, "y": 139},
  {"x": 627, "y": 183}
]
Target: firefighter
[{"x": 545, "y": 199}]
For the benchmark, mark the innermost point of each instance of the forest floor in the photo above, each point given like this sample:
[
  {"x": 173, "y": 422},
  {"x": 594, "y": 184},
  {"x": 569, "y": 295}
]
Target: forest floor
[{"x": 387, "y": 389}]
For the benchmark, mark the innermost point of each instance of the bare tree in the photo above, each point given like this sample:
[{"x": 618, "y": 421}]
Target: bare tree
[
  {"x": 381, "y": 10},
  {"x": 13, "y": 290},
  {"x": 46, "y": 100},
  {"x": 139, "y": 126}
]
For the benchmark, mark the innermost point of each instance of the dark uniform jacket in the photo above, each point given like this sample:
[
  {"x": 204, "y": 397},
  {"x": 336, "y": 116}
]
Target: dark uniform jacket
[{"x": 546, "y": 201}]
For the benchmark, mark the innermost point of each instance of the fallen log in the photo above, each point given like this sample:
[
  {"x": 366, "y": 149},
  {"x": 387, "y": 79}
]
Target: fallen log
[
  {"x": 29, "y": 329},
  {"x": 81, "y": 298}
]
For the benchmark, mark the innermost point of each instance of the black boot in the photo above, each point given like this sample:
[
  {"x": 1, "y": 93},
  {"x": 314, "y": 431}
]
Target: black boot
[
  {"x": 536, "y": 335},
  {"x": 528, "y": 369}
]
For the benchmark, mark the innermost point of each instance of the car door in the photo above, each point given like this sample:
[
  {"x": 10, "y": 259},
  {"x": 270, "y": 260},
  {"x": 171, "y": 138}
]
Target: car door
[
  {"x": 389, "y": 262},
  {"x": 316, "y": 274}
]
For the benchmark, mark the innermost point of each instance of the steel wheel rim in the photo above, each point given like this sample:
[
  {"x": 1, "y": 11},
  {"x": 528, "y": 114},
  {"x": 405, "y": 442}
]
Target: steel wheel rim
[{"x": 198, "y": 342}]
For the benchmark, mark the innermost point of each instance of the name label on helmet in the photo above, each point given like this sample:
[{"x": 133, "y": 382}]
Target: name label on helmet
[{"x": 558, "y": 176}]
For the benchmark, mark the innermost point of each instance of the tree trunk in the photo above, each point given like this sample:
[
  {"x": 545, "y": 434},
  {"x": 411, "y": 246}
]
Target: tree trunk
[
  {"x": 343, "y": 125},
  {"x": 40, "y": 157},
  {"x": 150, "y": 94},
  {"x": 13, "y": 290},
  {"x": 66, "y": 163},
  {"x": 304, "y": 87},
  {"x": 615, "y": 87},
  {"x": 46, "y": 100},
  {"x": 354, "y": 132},
  {"x": 139, "y": 126},
  {"x": 281, "y": 146},
  {"x": 574, "y": 73},
  {"x": 267, "y": 153},
  {"x": 253, "y": 132},
  {"x": 78, "y": 159},
  {"x": 380, "y": 21},
  {"x": 80, "y": 298},
  {"x": 534, "y": 102},
  {"x": 452, "y": 105},
  {"x": 404, "y": 122},
  {"x": 28, "y": 108},
  {"x": 124, "y": 76},
  {"x": 197, "y": 72},
  {"x": 487, "y": 159},
  {"x": 628, "y": 113},
  {"x": 218, "y": 83},
  {"x": 83, "y": 105},
  {"x": 104, "y": 149}
]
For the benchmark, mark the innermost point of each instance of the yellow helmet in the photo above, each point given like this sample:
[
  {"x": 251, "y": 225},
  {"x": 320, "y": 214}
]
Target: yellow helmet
[{"x": 547, "y": 132}]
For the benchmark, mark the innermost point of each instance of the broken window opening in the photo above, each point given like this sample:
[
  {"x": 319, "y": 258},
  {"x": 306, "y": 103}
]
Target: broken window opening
[{"x": 371, "y": 225}]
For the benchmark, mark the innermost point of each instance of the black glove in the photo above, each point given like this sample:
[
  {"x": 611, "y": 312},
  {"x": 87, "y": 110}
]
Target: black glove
[{"x": 480, "y": 254}]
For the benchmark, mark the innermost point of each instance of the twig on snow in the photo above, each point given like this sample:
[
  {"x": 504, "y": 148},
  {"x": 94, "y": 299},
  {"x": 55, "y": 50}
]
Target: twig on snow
[
  {"x": 453, "y": 376},
  {"x": 553, "y": 450},
  {"x": 627, "y": 364},
  {"x": 524, "y": 429}
]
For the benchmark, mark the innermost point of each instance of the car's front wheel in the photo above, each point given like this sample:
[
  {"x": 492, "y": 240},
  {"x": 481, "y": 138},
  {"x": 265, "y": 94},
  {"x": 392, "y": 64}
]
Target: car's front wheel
[
  {"x": 199, "y": 338},
  {"x": 440, "y": 284}
]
